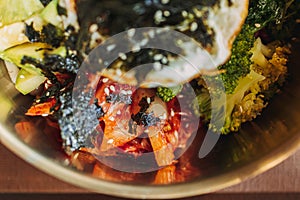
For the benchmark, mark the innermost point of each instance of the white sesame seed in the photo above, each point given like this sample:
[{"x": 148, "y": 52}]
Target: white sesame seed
[
  {"x": 100, "y": 61},
  {"x": 119, "y": 112},
  {"x": 151, "y": 33},
  {"x": 167, "y": 13},
  {"x": 110, "y": 47},
  {"x": 22, "y": 76},
  {"x": 172, "y": 113},
  {"x": 157, "y": 66},
  {"x": 146, "y": 131},
  {"x": 257, "y": 25},
  {"x": 158, "y": 57},
  {"x": 123, "y": 56},
  {"x": 110, "y": 141},
  {"x": 144, "y": 41},
  {"x": 164, "y": 60},
  {"x": 45, "y": 115},
  {"x": 148, "y": 100},
  {"x": 194, "y": 26},
  {"x": 118, "y": 72},
  {"x": 93, "y": 28},
  {"x": 136, "y": 48},
  {"x": 111, "y": 118},
  {"x": 131, "y": 32},
  {"x": 112, "y": 88},
  {"x": 184, "y": 13},
  {"x": 182, "y": 113},
  {"x": 105, "y": 80},
  {"x": 106, "y": 91},
  {"x": 158, "y": 17},
  {"x": 165, "y": 1}
]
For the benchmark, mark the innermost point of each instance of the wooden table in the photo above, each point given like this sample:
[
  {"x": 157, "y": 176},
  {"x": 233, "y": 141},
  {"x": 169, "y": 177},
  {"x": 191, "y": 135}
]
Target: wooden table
[{"x": 19, "y": 180}]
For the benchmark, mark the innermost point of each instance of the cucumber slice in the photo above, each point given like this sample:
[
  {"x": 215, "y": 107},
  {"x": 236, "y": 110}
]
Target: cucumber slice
[
  {"x": 12, "y": 11},
  {"x": 33, "y": 50},
  {"x": 27, "y": 82},
  {"x": 50, "y": 14}
]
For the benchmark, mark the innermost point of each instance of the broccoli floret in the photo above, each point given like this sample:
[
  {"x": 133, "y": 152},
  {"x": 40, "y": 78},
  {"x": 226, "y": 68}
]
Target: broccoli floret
[
  {"x": 167, "y": 94},
  {"x": 254, "y": 72},
  {"x": 239, "y": 64},
  {"x": 267, "y": 71},
  {"x": 202, "y": 104}
]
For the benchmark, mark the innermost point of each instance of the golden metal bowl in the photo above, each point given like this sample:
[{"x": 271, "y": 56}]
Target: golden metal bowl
[{"x": 259, "y": 146}]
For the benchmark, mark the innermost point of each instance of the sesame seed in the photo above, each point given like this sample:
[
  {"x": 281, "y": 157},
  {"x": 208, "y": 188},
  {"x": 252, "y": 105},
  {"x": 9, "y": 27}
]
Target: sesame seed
[
  {"x": 257, "y": 25},
  {"x": 144, "y": 42},
  {"x": 148, "y": 100},
  {"x": 100, "y": 61},
  {"x": 172, "y": 113},
  {"x": 194, "y": 27},
  {"x": 22, "y": 76},
  {"x": 110, "y": 141},
  {"x": 158, "y": 17},
  {"x": 112, "y": 88},
  {"x": 136, "y": 48},
  {"x": 151, "y": 33},
  {"x": 165, "y": 1},
  {"x": 123, "y": 56},
  {"x": 111, "y": 118},
  {"x": 106, "y": 91},
  {"x": 158, "y": 57},
  {"x": 118, "y": 72},
  {"x": 93, "y": 28},
  {"x": 184, "y": 13},
  {"x": 167, "y": 13},
  {"x": 182, "y": 113},
  {"x": 110, "y": 47},
  {"x": 47, "y": 94},
  {"x": 131, "y": 32},
  {"x": 157, "y": 66},
  {"x": 105, "y": 80},
  {"x": 164, "y": 60},
  {"x": 119, "y": 112}
]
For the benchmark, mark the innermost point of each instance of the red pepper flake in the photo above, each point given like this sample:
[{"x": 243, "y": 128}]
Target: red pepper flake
[{"x": 42, "y": 109}]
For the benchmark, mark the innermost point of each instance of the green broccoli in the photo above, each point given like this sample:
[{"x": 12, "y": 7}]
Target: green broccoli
[
  {"x": 253, "y": 73},
  {"x": 167, "y": 94}
]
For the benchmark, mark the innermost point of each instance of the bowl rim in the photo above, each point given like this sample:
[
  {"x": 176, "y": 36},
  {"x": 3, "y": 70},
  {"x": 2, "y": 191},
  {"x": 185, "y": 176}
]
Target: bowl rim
[{"x": 194, "y": 188}]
